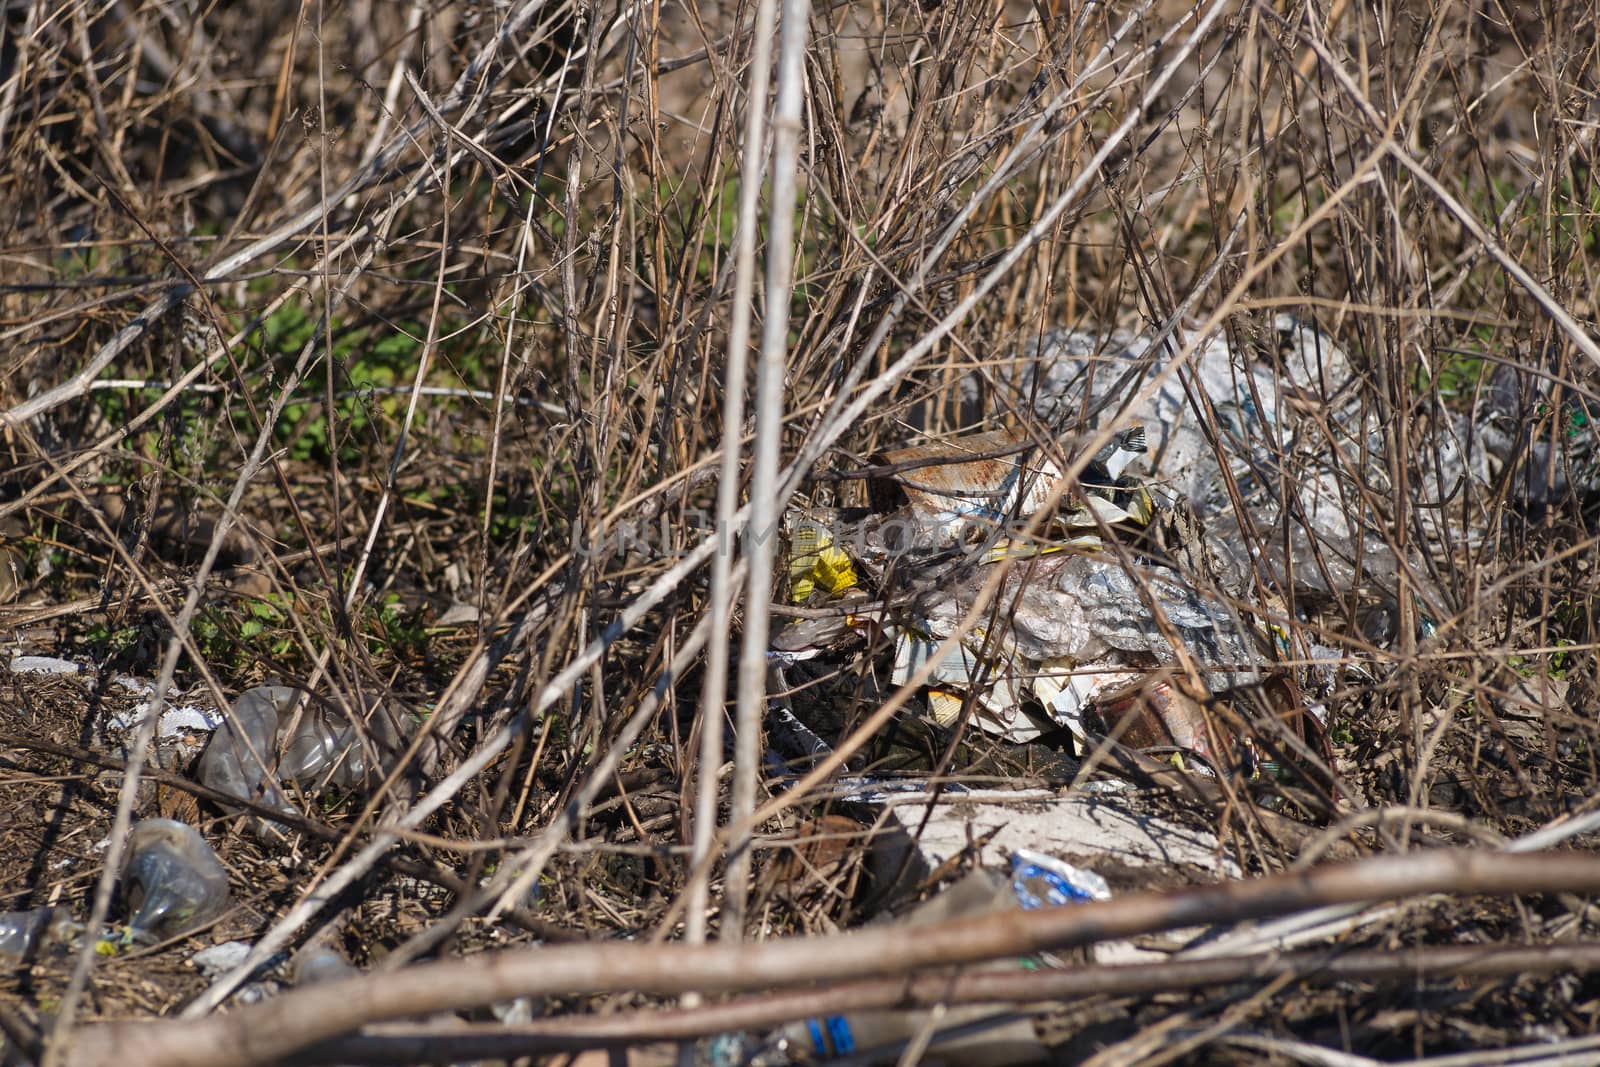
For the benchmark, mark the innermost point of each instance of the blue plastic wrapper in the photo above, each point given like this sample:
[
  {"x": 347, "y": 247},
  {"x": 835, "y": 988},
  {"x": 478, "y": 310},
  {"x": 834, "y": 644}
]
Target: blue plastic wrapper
[
  {"x": 1037, "y": 881},
  {"x": 1042, "y": 881},
  {"x": 832, "y": 1036}
]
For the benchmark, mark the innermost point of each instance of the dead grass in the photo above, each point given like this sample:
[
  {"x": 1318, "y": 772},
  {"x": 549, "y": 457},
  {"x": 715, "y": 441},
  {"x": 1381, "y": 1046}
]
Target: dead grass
[{"x": 416, "y": 315}]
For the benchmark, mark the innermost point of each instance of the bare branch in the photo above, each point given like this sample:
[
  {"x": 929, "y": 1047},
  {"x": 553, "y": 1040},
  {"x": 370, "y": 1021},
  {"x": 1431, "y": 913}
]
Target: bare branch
[{"x": 262, "y": 1033}]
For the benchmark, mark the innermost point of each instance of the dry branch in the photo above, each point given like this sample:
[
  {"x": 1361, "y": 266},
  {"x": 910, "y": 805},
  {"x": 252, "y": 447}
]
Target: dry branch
[
  {"x": 414, "y": 1043},
  {"x": 263, "y": 1033}
]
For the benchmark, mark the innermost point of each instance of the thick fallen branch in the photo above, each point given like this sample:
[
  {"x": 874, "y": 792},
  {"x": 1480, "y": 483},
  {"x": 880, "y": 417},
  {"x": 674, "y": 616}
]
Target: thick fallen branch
[
  {"x": 406, "y": 1043},
  {"x": 280, "y": 1028}
]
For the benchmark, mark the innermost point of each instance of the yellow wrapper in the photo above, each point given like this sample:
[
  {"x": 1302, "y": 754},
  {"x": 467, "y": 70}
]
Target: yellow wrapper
[
  {"x": 815, "y": 562},
  {"x": 945, "y": 706}
]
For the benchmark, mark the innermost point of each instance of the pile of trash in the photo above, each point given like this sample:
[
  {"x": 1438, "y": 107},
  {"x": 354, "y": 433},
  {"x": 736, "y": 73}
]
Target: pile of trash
[
  {"x": 1231, "y": 501},
  {"x": 272, "y": 744},
  {"x": 1239, "y": 497},
  {"x": 1223, "y": 560}
]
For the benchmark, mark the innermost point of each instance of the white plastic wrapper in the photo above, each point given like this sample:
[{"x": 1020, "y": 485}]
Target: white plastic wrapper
[
  {"x": 999, "y": 701},
  {"x": 1292, "y": 434},
  {"x": 1083, "y": 609}
]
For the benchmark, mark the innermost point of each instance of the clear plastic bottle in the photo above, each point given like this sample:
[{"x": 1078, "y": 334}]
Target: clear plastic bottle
[
  {"x": 319, "y": 750},
  {"x": 22, "y": 933},
  {"x": 324, "y": 749},
  {"x": 244, "y": 748},
  {"x": 172, "y": 880}
]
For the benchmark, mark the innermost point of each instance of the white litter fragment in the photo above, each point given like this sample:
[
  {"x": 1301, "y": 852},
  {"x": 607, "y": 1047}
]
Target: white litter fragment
[
  {"x": 1093, "y": 831},
  {"x": 43, "y": 665},
  {"x": 999, "y": 704},
  {"x": 141, "y": 686},
  {"x": 459, "y": 614},
  {"x": 175, "y": 721},
  {"x": 220, "y": 959}
]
